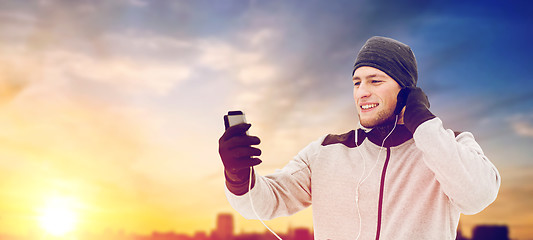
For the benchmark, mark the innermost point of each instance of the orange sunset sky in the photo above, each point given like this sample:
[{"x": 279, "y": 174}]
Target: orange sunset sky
[{"x": 112, "y": 110}]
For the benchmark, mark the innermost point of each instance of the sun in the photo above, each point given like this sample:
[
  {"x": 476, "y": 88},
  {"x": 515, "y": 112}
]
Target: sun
[{"x": 58, "y": 216}]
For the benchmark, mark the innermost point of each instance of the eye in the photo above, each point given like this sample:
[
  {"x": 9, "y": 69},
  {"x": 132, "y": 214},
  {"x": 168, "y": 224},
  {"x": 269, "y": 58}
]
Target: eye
[
  {"x": 357, "y": 83},
  {"x": 377, "y": 81}
]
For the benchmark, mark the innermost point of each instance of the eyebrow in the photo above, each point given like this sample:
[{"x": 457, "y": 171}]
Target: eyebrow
[{"x": 369, "y": 76}]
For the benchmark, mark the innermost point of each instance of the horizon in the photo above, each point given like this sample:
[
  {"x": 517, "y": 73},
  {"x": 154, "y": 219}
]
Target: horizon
[{"x": 211, "y": 232}]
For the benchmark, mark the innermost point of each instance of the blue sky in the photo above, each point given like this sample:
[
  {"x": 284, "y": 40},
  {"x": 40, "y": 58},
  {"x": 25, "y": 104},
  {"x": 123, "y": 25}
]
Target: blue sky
[{"x": 139, "y": 88}]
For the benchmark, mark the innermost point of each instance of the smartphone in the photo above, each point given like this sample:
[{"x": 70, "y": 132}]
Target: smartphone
[{"x": 234, "y": 118}]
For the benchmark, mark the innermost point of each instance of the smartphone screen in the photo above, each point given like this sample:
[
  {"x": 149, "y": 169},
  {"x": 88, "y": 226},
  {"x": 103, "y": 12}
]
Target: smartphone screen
[{"x": 234, "y": 118}]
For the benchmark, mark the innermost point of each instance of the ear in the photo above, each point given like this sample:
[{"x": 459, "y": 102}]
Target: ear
[{"x": 400, "y": 116}]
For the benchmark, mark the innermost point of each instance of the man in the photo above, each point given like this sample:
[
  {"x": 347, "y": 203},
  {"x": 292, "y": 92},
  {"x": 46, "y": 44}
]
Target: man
[{"x": 401, "y": 175}]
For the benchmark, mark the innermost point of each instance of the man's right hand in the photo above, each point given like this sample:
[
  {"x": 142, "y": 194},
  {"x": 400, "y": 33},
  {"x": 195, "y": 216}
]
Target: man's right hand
[{"x": 237, "y": 154}]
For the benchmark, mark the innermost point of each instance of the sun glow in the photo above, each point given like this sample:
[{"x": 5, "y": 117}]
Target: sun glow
[{"x": 58, "y": 216}]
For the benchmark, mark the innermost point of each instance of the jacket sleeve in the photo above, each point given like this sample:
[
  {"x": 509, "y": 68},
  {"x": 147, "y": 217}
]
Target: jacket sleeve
[
  {"x": 282, "y": 193},
  {"x": 465, "y": 174}
]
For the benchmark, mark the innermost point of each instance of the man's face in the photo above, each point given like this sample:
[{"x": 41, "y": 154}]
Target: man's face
[{"x": 375, "y": 95}]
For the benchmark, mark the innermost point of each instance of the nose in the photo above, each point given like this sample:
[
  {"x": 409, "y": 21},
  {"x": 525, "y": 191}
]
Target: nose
[{"x": 362, "y": 91}]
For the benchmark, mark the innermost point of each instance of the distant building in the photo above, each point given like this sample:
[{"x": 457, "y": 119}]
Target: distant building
[
  {"x": 165, "y": 236},
  {"x": 224, "y": 228},
  {"x": 302, "y": 234},
  {"x": 200, "y": 236},
  {"x": 490, "y": 232}
]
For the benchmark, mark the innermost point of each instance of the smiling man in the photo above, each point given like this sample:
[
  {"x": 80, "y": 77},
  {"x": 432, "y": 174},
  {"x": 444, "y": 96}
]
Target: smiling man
[{"x": 401, "y": 175}]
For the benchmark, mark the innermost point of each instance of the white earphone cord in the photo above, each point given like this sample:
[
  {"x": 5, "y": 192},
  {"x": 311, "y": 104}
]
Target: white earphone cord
[
  {"x": 364, "y": 169},
  {"x": 252, "y": 203},
  {"x": 356, "y": 191}
]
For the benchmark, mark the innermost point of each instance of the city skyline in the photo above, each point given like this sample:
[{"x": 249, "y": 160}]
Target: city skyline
[
  {"x": 224, "y": 230},
  {"x": 110, "y": 111}
]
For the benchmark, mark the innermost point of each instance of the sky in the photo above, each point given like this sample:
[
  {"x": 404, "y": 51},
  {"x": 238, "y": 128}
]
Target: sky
[{"x": 116, "y": 106}]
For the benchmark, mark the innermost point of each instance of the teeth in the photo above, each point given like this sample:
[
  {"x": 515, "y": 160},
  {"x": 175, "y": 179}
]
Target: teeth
[{"x": 368, "y": 106}]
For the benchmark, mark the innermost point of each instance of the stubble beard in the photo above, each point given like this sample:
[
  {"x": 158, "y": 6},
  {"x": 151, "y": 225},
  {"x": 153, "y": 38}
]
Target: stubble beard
[{"x": 384, "y": 118}]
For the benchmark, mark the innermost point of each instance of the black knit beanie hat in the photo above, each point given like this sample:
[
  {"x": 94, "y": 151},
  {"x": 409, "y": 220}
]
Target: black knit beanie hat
[{"x": 390, "y": 56}]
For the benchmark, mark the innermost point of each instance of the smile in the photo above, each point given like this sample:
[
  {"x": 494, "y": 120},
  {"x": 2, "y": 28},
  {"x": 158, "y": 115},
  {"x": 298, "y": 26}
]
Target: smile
[{"x": 369, "y": 106}]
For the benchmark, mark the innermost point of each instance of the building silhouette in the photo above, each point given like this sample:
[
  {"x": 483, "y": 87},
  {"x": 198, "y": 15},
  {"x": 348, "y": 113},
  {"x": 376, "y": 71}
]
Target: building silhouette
[
  {"x": 224, "y": 227},
  {"x": 490, "y": 232},
  {"x": 302, "y": 234}
]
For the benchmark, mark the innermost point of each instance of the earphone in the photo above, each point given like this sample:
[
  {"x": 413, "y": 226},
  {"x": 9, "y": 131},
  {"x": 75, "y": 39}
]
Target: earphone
[
  {"x": 370, "y": 172},
  {"x": 252, "y": 203},
  {"x": 361, "y": 180}
]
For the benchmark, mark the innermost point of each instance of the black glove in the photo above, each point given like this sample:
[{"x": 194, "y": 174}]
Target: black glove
[
  {"x": 401, "y": 99},
  {"x": 416, "y": 107},
  {"x": 237, "y": 154}
]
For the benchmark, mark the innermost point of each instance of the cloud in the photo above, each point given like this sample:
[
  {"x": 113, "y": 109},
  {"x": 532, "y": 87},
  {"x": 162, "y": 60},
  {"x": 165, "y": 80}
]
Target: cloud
[
  {"x": 14, "y": 77},
  {"x": 16, "y": 18},
  {"x": 138, "y": 3},
  {"x": 523, "y": 125},
  {"x": 121, "y": 73}
]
